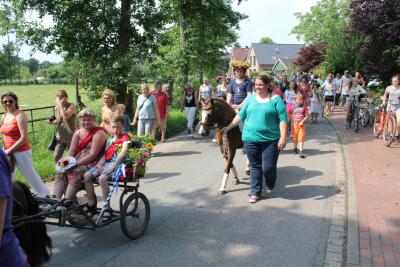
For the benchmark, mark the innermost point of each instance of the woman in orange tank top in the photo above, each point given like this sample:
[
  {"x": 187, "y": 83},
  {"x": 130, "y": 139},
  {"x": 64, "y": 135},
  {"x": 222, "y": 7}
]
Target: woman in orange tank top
[{"x": 14, "y": 128}]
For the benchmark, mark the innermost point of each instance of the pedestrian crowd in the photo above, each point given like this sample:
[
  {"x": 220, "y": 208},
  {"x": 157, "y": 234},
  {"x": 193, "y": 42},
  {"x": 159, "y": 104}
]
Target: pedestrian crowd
[{"x": 268, "y": 110}]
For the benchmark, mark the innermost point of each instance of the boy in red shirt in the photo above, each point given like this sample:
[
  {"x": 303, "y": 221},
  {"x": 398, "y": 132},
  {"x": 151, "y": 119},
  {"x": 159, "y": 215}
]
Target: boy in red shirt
[
  {"x": 299, "y": 116},
  {"x": 162, "y": 103}
]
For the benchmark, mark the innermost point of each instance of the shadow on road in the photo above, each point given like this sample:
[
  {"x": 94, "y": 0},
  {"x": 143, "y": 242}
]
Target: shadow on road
[{"x": 174, "y": 154}]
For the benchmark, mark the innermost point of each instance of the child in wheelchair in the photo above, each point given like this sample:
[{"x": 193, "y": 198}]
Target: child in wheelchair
[{"x": 116, "y": 148}]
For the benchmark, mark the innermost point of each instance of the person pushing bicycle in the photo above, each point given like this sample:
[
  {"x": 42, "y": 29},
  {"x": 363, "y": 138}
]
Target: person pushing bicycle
[
  {"x": 393, "y": 93},
  {"x": 353, "y": 89}
]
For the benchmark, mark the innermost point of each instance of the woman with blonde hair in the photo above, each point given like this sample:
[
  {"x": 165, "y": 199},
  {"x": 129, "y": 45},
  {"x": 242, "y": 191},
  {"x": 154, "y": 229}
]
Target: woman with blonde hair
[{"x": 110, "y": 109}]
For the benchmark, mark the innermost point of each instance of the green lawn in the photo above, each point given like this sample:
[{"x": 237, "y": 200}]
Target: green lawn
[{"x": 33, "y": 96}]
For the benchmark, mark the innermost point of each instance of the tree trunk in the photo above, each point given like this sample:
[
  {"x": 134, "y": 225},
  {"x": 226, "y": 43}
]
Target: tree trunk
[
  {"x": 124, "y": 38},
  {"x": 170, "y": 90},
  {"x": 184, "y": 41}
]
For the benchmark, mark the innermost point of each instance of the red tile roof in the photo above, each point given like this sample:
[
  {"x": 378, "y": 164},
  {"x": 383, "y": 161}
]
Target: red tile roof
[{"x": 240, "y": 53}]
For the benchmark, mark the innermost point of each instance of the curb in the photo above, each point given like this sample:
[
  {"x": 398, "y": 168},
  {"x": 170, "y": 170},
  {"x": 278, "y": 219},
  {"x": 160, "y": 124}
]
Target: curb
[{"x": 352, "y": 251}]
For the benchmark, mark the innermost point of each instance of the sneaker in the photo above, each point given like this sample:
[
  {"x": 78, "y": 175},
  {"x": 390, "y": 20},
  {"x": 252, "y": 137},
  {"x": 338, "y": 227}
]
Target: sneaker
[
  {"x": 301, "y": 155},
  {"x": 295, "y": 151},
  {"x": 253, "y": 199},
  {"x": 346, "y": 125},
  {"x": 188, "y": 131},
  {"x": 214, "y": 140},
  {"x": 268, "y": 191}
]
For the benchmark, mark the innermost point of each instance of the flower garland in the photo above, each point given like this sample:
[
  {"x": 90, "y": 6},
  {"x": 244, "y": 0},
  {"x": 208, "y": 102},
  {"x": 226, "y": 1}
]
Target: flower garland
[{"x": 237, "y": 64}]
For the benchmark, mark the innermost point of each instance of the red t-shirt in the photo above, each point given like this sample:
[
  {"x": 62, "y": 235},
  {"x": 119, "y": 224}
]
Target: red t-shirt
[
  {"x": 162, "y": 103},
  {"x": 277, "y": 91}
]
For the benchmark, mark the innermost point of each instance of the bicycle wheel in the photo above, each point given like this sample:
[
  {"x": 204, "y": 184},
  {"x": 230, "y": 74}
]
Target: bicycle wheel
[
  {"x": 135, "y": 215},
  {"x": 356, "y": 119},
  {"x": 377, "y": 123},
  {"x": 389, "y": 131},
  {"x": 350, "y": 117},
  {"x": 364, "y": 118}
]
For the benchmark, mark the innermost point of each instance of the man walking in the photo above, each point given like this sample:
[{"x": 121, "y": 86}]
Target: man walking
[
  {"x": 162, "y": 103},
  {"x": 343, "y": 86}
]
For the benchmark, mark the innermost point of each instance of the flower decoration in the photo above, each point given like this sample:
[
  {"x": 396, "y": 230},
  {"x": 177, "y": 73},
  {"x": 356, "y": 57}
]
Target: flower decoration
[
  {"x": 149, "y": 146},
  {"x": 138, "y": 154},
  {"x": 237, "y": 64}
]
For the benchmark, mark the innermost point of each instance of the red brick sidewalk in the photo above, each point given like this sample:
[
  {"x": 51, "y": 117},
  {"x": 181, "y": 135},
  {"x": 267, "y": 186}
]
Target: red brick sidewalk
[{"x": 377, "y": 178}]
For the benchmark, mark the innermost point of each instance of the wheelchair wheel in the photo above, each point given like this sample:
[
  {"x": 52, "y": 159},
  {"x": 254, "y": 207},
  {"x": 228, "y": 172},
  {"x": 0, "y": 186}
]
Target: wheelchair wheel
[
  {"x": 389, "y": 131},
  {"x": 377, "y": 123},
  {"x": 135, "y": 215}
]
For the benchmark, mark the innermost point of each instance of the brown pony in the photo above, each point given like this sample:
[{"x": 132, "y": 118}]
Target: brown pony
[{"x": 216, "y": 113}]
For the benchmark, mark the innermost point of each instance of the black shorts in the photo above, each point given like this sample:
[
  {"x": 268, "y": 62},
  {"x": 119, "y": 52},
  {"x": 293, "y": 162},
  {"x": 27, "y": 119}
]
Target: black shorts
[{"x": 329, "y": 98}]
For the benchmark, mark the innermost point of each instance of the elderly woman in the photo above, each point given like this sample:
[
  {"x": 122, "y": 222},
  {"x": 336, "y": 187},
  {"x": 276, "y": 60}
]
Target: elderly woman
[
  {"x": 264, "y": 134},
  {"x": 65, "y": 121},
  {"x": 146, "y": 112},
  {"x": 110, "y": 109},
  {"x": 14, "y": 128},
  {"x": 189, "y": 102},
  {"x": 87, "y": 147}
]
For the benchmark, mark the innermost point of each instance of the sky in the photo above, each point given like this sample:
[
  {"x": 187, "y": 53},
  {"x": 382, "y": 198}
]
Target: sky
[{"x": 272, "y": 18}]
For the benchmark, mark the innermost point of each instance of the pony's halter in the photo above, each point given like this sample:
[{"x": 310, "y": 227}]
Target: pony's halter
[{"x": 206, "y": 125}]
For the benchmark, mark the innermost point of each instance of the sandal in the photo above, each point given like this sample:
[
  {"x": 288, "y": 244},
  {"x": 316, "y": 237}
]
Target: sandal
[
  {"x": 107, "y": 215},
  {"x": 90, "y": 210}
]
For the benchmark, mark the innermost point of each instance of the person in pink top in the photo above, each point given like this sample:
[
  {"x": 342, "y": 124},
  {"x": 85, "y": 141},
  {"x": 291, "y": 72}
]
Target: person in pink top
[
  {"x": 14, "y": 128},
  {"x": 162, "y": 103}
]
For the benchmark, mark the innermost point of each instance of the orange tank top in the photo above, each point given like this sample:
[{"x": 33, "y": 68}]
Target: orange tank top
[{"x": 11, "y": 134}]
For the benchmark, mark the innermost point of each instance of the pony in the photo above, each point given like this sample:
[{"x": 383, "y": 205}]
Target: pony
[
  {"x": 31, "y": 233},
  {"x": 216, "y": 113}
]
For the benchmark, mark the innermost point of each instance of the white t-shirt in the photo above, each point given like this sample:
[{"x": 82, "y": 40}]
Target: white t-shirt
[
  {"x": 345, "y": 80},
  {"x": 394, "y": 94},
  {"x": 205, "y": 91},
  {"x": 289, "y": 96},
  {"x": 329, "y": 88}
]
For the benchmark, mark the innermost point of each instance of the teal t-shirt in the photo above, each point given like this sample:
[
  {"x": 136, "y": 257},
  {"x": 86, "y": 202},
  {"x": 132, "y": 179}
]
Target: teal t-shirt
[{"x": 261, "y": 120}]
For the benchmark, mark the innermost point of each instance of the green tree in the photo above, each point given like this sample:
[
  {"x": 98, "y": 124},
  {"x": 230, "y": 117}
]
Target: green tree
[
  {"x": 266, "y": 40},
  {"x": 32, "y": 64},
  {"x": 206, "y": 28},
  {"x": 104, "y": 36},
  {"x": 327, "y": 23}
]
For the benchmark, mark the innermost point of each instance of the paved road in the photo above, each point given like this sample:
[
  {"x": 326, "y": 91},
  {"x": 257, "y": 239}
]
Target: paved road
[{"x": 191, "y": 225}]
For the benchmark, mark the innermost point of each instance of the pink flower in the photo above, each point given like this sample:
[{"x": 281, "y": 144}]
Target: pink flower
[
  {"x": 139, "y": 162},
  {"x": 146, "y": 154}
]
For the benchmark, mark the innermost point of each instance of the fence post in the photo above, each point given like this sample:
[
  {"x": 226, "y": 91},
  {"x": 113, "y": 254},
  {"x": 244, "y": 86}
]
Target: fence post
[{"x": 33, "y": 130}]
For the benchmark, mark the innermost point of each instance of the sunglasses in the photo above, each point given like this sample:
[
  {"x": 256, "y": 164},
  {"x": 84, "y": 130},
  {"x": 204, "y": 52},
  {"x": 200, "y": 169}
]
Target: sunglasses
[{"x": 8, "y": 101}]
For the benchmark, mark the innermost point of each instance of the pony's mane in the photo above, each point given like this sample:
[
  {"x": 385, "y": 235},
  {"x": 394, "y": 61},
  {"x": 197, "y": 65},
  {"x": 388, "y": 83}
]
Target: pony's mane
[
  {"x": 224, "y": 104},
  {"x": 32, "y": 236}
]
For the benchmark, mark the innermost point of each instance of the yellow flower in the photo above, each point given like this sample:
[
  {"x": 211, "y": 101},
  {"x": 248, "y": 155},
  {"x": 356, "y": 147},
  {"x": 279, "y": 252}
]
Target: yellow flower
[{"x": 61, "y": 164}]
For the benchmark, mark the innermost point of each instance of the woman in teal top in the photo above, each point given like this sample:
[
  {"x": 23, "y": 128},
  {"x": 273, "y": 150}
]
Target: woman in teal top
[{"x": 264, "y": 134}]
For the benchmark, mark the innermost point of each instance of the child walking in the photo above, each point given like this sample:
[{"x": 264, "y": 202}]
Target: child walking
[
  {"x": 299, "y": 116},
  {"x": 289, "y": 100},
  {"x": 315, "y": 107},
  {"x": 107, "y": 166}
]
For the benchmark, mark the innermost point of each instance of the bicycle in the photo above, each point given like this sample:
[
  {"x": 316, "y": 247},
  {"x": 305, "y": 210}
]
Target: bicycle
[
  {"x": 385, "y": 124},
  {"x": 364, "y": 114},
  {"x": 354, "y": 115}
]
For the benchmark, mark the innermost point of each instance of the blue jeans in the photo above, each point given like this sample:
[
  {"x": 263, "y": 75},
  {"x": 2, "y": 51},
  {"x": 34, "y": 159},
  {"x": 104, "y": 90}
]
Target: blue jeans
[{"x": 263, "y": 158}]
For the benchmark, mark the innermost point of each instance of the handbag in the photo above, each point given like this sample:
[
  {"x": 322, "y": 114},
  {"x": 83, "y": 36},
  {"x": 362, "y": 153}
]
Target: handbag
[{"x": 52, "y": 145}]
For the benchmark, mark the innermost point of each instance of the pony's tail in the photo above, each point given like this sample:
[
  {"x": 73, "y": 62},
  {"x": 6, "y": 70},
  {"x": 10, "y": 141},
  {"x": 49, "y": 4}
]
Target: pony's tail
[{"x": 41, "y": 244}]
